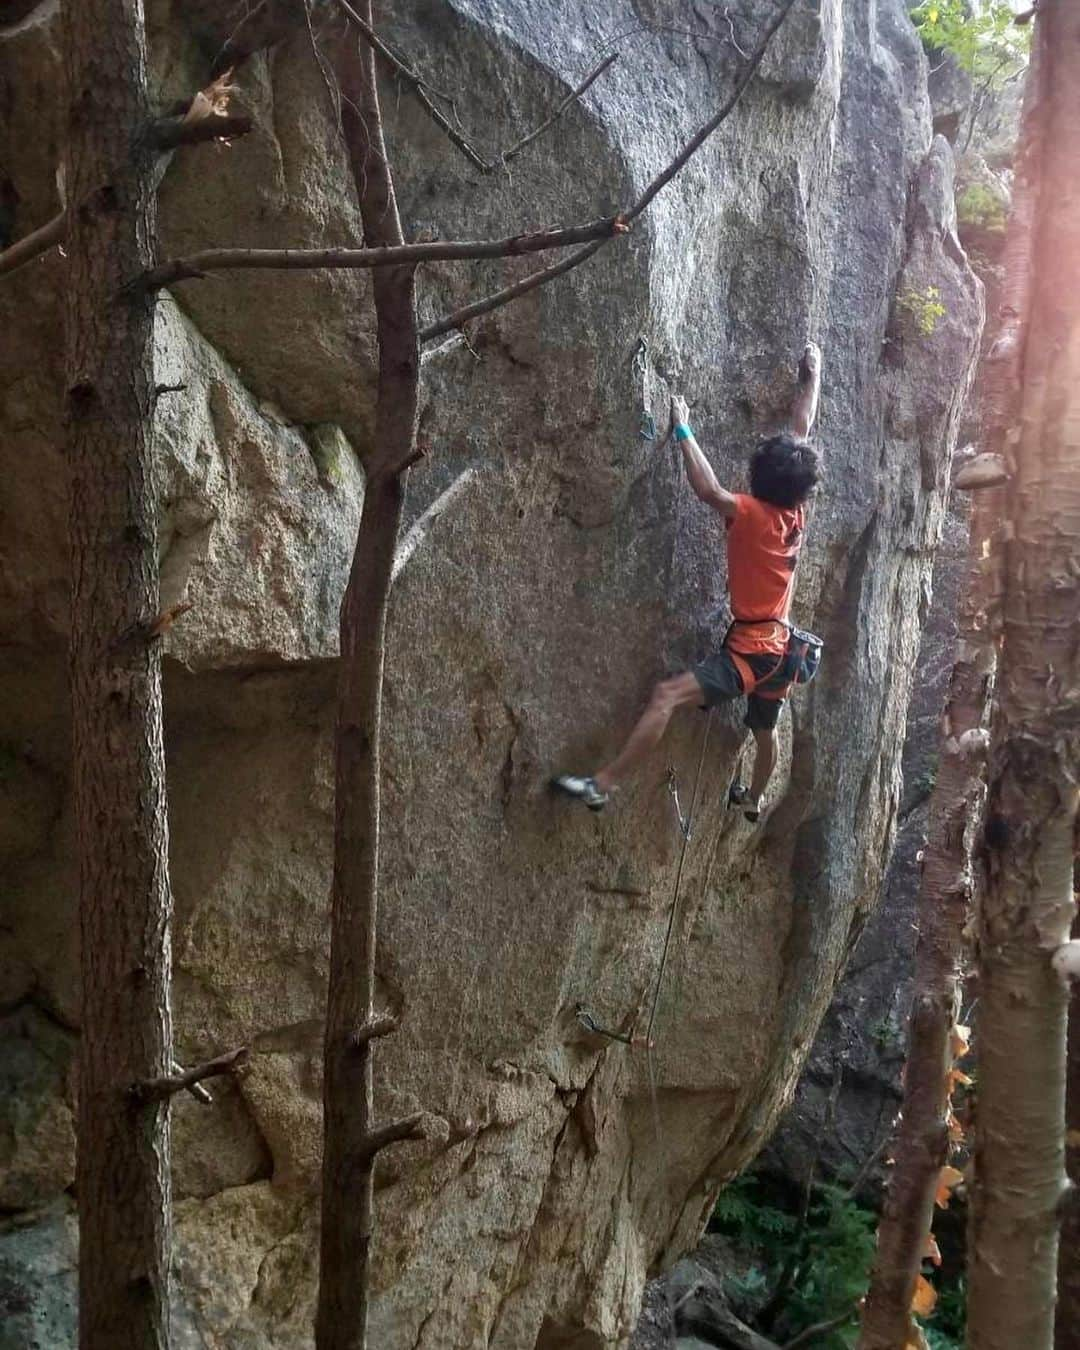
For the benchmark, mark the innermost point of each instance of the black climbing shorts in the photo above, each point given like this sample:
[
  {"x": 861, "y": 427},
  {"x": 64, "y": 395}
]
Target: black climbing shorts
[{"x": 721, "y": 683}]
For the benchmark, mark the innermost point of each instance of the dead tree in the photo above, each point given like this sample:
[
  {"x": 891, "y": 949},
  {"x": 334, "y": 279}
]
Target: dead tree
[
  {"x": 1027, "y": 905},
  {"x": 947, "y": 883},
  {"x": 351, "y": 1138}
]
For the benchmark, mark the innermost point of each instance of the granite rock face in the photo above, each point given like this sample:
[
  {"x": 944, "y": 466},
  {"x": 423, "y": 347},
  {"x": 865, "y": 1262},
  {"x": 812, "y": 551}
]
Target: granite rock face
[{"x": 525, "y": 632}]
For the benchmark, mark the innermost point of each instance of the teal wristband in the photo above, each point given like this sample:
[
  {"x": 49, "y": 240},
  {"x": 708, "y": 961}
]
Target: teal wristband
[{"x": 682, "y": 432}]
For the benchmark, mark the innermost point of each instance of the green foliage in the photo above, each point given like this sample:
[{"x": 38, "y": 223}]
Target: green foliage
[
  {"x": 833, "y": 1257},
  {"x": 837, "y": 1269},
  {"x": 981, "y": 209},
  {"x": 743, "y": 1213},
  {"x": 982, "y": 38},
  {"x": 886, "y": 1035},
  {"x": 947, "y": 1329},
  {"x": 924, "y": 308}
]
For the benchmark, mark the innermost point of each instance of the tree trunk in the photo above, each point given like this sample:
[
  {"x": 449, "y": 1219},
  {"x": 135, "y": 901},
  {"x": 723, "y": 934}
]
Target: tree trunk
[
  {"x": 119, "y": 769},
  {"x": 944, "y": 897},
  {"x": 946, "y": 884},
  {"x": 1032, "y": 805},
  {"x": 349, "y": 1155}
]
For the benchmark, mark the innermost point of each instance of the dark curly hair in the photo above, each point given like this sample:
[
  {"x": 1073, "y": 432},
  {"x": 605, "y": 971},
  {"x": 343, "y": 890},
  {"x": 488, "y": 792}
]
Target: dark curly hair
[{"x": 784, "y": 470}]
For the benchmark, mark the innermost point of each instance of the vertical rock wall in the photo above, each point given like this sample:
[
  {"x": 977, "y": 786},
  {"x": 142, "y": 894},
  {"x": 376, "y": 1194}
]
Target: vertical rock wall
[{"x": 525, "y": 632}]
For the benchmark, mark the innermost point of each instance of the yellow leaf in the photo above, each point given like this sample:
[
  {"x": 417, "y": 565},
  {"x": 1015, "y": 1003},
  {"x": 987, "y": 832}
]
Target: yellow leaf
[
  {"x": 925, "y": 1297},
  {"x": 932, "y": 1252},
  {"x": 955, "y": 1076},
  {"x": 948, "y": 1177},
  {"x": 959, "y": 1040},
  {"x": 931, "y": 16}
]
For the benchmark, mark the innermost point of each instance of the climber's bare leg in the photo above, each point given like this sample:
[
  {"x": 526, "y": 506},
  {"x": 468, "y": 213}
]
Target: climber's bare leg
[
  {"x": 677, "y": 692},
  {"x": 766, "y": 748}
]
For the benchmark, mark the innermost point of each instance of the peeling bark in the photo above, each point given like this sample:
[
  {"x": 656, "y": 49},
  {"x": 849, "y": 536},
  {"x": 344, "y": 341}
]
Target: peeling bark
[
  {"x": 1032, "y": 805},
  {"x": 946, "y": 886}
]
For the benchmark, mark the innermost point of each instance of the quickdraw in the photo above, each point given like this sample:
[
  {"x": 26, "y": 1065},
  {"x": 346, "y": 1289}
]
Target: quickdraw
[{"x": 647, "y": 427}]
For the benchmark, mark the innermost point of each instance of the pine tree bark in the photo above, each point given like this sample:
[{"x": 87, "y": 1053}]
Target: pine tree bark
[
  {"x": 119, "y": 771},
  {"x": 349, "y": 1128},
  {"x": 1032, "y": 803}
]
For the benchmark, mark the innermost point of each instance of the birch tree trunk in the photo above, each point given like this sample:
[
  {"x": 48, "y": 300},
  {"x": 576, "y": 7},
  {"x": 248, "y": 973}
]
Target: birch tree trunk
[
  {"x": 119, "y": 771},
  {"x": 350, "y": 1139},
  {"x": 945, "y": 893},
  {"x": 946, "y": 886},
  {"x": 1032, "y": 804}
]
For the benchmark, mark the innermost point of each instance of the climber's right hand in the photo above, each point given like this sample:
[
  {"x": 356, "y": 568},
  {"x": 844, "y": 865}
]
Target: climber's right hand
[
  {"x": 810, "y": 363},
  {"x": 680, "y": 411}
]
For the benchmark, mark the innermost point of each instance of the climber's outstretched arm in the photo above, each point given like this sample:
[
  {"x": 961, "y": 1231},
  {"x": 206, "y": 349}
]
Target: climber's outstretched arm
[
  {"x": 703, "y": 481},
  {"x": 804, "y": 408}
]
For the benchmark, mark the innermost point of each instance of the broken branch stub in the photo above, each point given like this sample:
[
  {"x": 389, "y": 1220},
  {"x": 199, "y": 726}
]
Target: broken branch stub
[{"x": 158, "y": 1089}]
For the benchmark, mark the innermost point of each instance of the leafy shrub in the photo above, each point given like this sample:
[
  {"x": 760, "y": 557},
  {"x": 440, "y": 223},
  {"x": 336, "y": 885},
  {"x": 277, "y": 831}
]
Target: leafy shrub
[
  {"x": 979, "y": 208},
  {"x": 987, "y": 44},
  {"x": 924, "y": 308}
]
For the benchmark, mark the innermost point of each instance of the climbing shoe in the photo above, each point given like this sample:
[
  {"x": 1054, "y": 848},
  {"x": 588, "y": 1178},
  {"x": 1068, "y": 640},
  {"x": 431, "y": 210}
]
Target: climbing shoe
[
  {"x": 584, "y": 789},
  {"x": 739, "y": 795}
]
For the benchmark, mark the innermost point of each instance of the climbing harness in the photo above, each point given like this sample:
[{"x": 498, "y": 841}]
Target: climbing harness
[
  {"x": 796, "y": 664},
  {"x": 647, "y": 427}
]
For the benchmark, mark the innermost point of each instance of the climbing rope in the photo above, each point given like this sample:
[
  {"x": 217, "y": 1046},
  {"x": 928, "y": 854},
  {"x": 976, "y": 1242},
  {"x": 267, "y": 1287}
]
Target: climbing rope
[{"x": 687, "y": 827}]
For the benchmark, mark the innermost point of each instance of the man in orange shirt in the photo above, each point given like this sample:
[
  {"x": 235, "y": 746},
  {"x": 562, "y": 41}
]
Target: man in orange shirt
[{"x": 764, "y": 536}]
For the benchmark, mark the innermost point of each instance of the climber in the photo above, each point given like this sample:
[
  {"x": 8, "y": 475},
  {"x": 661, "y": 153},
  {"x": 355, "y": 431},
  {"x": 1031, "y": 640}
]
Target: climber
[{"x": 764, "y": 536}]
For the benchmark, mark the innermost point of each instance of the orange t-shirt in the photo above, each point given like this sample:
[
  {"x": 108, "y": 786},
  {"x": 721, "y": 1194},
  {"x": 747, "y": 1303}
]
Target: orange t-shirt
[{"x": 763, "y": 543}]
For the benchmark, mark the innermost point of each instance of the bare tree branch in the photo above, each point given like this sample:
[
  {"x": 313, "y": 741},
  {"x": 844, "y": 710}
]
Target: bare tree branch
[
  {"x": 164, "y": 134},
  {"x": 385, "y": 255},
  {"x": 212, "y": 260},
  {"x": 373, "y": 1029},
  {"x": 409, "y": 1127},
  {"x": 418, "y": 85},
  {"x": 700, "y": 137},
  {"x": 519, "y": 288},
  {"x": 499, "y": 298},
  {"x": 168, "y": 133},
  {"x": 157, "y": 1089},
  {"x": 593, "y": 75},
  {"x": 811, "y": 1333},
  {"x": 34, "y": 245}
]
